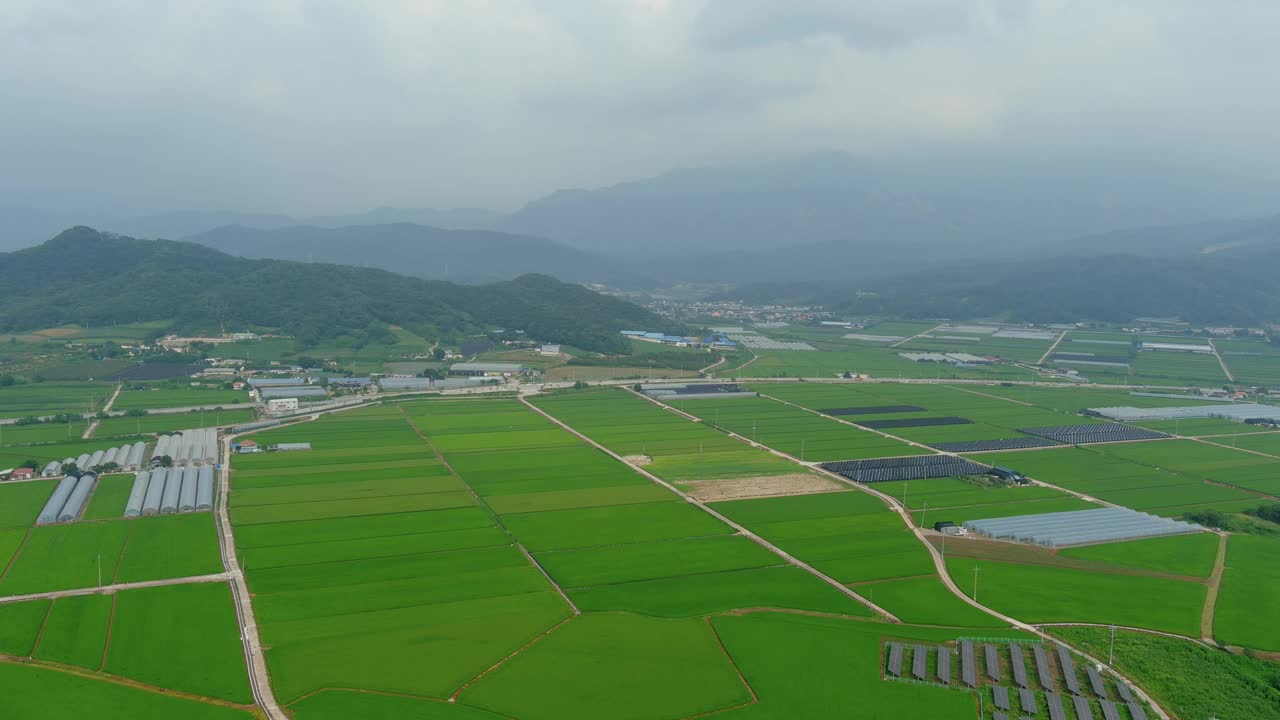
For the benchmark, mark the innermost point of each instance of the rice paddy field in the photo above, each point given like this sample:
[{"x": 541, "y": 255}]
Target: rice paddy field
[
  {"x": 472, "y": 559},
  {"x": 174, "y": 396},
  {"x": 169, "y": 422},
  {"x": 51, "y": 398}
]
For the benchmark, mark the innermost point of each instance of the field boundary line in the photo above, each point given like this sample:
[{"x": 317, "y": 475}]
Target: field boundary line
[
  {"x": 117, "y": 587},
  {"x": 1210, "y": 609},
  {"x": 1230, "y": 447},
  {"x": 125, "y": 681},
  {"x": 721, "y": 517},
  {"x": 382, "y": 693},
  {"x": 115, "y": 574},
  {"x": 1129, "y": 628},
  {"x": 111, "y": 623},
  {"x": 16, "y": 554},
  {"x": 545, "y": 633},
  {"x": 755, "y": 698},
  {"x": 997, "y": 397},
  {"x": 497, "y": 519},
  {"x": 44, "y": 624}
]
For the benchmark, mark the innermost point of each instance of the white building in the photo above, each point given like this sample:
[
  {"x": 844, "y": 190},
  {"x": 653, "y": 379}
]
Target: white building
[
  {"x": 549, "y": 350},
  {"x": 282, "y": 404}
]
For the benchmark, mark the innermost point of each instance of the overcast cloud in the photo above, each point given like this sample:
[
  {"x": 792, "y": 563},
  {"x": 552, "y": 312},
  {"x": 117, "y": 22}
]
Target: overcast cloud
[{"x": 320, "y": 107}]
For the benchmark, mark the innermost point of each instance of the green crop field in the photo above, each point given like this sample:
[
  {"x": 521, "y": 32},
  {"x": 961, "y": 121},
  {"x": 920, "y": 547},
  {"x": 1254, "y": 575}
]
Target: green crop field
[
  {"x": 76, "y": 631},
  {"x": 169, "y": 396},
  {"x": 613, "y": 564},
  {"x": 32, "y": 691},
  {"x": 109, "y": 496},
  {"x": 51, "y": 398},
  {"x": 60, "y": 557},
  {"x": 658, "y": 668},
  {"x": 170, "y": 422},
  {"x": 169, "y": 546},
  {"x": 1248, "y": 610},
  {"x": 14, "y": 455},
  {"x": 345, "y": 704},
  {"x": 20, "y": 503},
  {"x": 11, "y": 435},
  {"x": 1192, "y": 555},
  {"x": 20, "y": 626},
  {"x": 1188, "y": 679},
  {"x": 183, "y": 637},
  {"x": 1049, "y": 595}
]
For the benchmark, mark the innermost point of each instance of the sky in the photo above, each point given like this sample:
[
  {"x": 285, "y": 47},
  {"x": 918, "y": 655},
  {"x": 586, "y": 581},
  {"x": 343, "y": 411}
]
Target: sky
[{"x": 321, "y": 107}]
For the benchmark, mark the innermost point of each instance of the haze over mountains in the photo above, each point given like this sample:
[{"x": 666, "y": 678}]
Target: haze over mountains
[{"x": 820, "y": 219}]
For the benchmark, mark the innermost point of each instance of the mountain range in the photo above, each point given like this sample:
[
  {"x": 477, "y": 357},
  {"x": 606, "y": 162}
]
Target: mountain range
[{"x": 94, "y": 278}]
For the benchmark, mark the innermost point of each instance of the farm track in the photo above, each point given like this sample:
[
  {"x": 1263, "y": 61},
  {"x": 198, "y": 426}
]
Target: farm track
[
  {"x": 1130, "y": 628},
  {"x": 904, "y": 341},
  {"x": 703, "y": 506},
  {"x": 255, "y": 658},
  {"x": 1217, "y": 355},
  {"x": 54, "y": 594},
  {"x": 1052, "y": 347},
  {"x": 1215, "y": 585}
]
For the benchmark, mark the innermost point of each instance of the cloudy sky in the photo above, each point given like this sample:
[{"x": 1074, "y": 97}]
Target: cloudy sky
[{"x": 323, "y": 106}]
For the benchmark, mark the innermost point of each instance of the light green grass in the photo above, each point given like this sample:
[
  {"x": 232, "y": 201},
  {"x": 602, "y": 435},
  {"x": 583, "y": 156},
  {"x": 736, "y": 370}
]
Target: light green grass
[
  {"x": 347, "y": 704},
  {"x": 588, "y": 527},
  {"x": 168, "y": 396},
  {"x": 653, "y": 560},
  {"x": 1248, "y": 610},
  {"x": 61, "y": 557},
  {"x": 926, "y": 601},
  {"x": 1191, "y": 555},
  {"x": 109, "y": 496},
  {"x": 20, "y": 626},
  {"x": 20, "y": 502},
  {"x": 31, "y": 691},
  {"x": 170, "y": 546}
]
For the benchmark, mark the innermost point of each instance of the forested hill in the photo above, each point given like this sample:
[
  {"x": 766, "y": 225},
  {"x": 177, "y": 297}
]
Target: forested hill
[{"x": 93, "y": 278}]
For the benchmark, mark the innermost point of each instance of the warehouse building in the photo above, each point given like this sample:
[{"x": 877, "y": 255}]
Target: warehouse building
[
  {"x": 300, "y": 391},
  {"x": 481, "y": 369},
  {"x": 1176, "y": 347},
  {"x": 1241, "y": 412},
  {"x": 275, "y": 405},
  {"x": 276, "y": 382}
]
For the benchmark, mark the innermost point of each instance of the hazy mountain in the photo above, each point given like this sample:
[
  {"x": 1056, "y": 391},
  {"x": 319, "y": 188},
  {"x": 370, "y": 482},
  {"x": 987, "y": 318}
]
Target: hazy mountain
[
  {"x": 450, "y": 219},
  {"x": 1208, "y": 237},
  {"x": 468, "y": 256},
  {"x": 860, "y": 209},
  {"x": 1216, "y": 288},
  {"x": 94, "y": 278}
]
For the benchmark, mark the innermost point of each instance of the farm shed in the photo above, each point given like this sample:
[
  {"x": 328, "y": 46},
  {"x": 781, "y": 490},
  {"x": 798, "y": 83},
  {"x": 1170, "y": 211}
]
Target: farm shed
[
  {"x": 56, "y": 500},
  {"x": 276, "y": 382},
  {"x": 133, "y": 507},
  {"x": 480, "y": 369},
  {"x": 136, "y": 453},
  {"x": 301, "y": 391},
  {"x": 95, "y": 460},
  {"x": 82, "y": 462},
  {"x": 51, "y": 470},
  {"x": 204, "y": 488},
  {"x": 78, "y": 497},
  {"x": 155, "y": 491},
  {"x": 1079, "y": 527},
  {"x": 162, "y": 447},
  {"x": 287, "y": 447}
]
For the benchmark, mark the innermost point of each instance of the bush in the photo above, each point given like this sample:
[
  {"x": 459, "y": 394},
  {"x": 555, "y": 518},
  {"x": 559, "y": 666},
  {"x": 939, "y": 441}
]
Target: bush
[{"x": 135, "y": 412}]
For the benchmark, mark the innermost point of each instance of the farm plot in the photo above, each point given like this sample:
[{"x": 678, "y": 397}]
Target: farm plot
[
  {"x": 657, "y": 668},
  {"x": 75, "y": 632},
  {"x": 20, "y": 626},
  {"x": 169, "y": 422},
  {"x": 183, "y": 637},
  {"x": 1208, "y": 462},
  {"x": 15, "y": 456},
  {"x": 35, "y": 691},
  {"x": 794, "y": 431},
  {"x": 1041, "y": 594},
  {"x": 846, "y": 356},
  {"x": 679, "y": 449},
  {"x": 1179, "y": 367},
  {"x": 20, "y": 503},
  {"x": 1106, "y": 473},
  {"x": 1251, "y": 361},
  {"x": 40, "y": 433},
  {"x": 1248, "y": 609},
  {"x": 51, "y": 398},
  {"x": 168, "y": 396}
]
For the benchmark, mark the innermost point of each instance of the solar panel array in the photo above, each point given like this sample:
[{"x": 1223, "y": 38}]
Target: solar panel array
[
  {"x": 968, "y": 663},
  {"x": 1055, "y": 706},
  {"x": 999, "y": 716},
  {"x": 1001, "y": 696},
  {"x": 1110, "y": 711},
  {"x": 1027, "y": 699},
  {"x": 1078, "y": 527},
  {"x": 944, "y": 664},
  {"x": 919, "y": 662},
  {"x": 1021, "y": 443},
  {"x": 1019, "y": 666},
  {"x": 992, "y": 658},
  {"x": 1083, "y": 709},
  {"x": 1125, "y": 693},
  {"x": 1095, "y": 681},
  {"x": 1068, "y": 665},
  {"x": 895, "y": 659},
  {"x": 1095, "y": 433},
  {"x": 1043, "y": 669},
  {"x": 1136, "y": 711},
  {"x": 914, "y": 422},
  {"x": 871, "y": 410},
  {"x": 904, "y": 468}
]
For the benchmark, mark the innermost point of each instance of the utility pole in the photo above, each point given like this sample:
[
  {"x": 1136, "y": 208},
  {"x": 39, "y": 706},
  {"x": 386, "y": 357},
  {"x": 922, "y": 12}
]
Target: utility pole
[
  {"x": 99, "y": 569},
  {"x": 801, "y": 449},
  {"x": 975, "y": 583},
  {"x": 924, "y": 517},
  {"x": 1112, "y": 660}
]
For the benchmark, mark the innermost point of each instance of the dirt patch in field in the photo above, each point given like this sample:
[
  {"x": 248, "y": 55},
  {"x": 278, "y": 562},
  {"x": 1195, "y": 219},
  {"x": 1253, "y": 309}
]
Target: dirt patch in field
[
  {"x": 1023, "y": 554},
  {"x": 638, "y": 460},
  {"x": 754, "y": 487}
]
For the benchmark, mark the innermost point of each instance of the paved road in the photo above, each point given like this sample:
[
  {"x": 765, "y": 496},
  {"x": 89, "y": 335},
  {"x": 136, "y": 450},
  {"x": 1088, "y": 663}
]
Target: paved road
[
  {"x": 259, "y": 679},
  {"x": 216, "y": 577}
]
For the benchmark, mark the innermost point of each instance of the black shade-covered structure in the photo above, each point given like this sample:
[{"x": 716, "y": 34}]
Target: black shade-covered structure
[
  {"x": 914, "y": 422},
  {"x": 904, "y": 468},
  {"x": 1093, "y": 433},
  {"x": 1021, "y": 443},
  {"x": 871, "y": 410}
]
